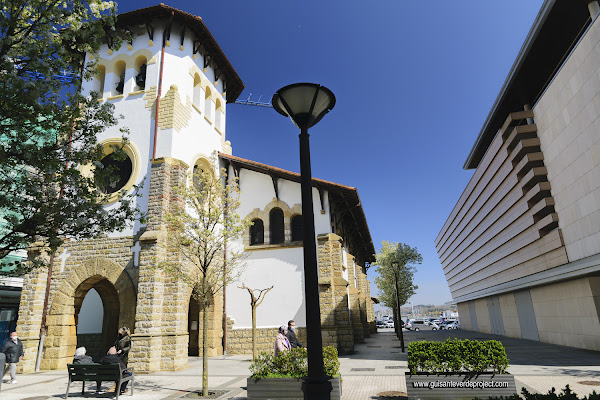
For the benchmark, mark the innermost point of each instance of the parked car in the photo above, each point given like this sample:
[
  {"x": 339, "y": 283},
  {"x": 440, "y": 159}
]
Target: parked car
[
  {"x": 380, "y": 324},
  {"x": 389, "y": 323},
  {"x": 453, "y": 325},
  {"x": 447, "y": 323},
  {"x": 420, "y": 325}
]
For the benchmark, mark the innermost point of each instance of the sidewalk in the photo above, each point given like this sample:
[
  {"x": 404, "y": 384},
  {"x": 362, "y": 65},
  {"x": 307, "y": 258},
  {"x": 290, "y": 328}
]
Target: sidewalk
[{"x": 375, "y": 371}]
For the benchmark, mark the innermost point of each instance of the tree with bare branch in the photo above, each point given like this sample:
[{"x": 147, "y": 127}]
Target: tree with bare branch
[
  {"x": 255, "y": 301},
  {"x": 200, "y": 225}
]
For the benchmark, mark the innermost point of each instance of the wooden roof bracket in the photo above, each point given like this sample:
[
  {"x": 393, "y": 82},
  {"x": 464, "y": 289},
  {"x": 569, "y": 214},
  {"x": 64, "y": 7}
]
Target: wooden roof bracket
[
  {"x": 206, "y": 60},
  {"x": 275, "y": 179},
  {"x": 183, "y": 34},
  {"x": 321, "y": 199},
  {"x": 197, "y": 44},
  {"x": 150, "y": 30},
  {"x": 167, "y": 34}
]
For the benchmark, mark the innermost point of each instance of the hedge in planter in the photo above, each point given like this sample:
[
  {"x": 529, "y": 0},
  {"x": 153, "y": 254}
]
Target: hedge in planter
[
  {"x": 280, "y": 377},
  {"x": 456, "y": 356},
  {"x": 293, "y": 364},
  {"x": 458, "y": 369}
]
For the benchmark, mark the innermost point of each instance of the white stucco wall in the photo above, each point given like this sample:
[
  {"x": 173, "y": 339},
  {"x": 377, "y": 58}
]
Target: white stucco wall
[
  {"x": 198, "y": 139},
  {"x": 282, "y": 266}
]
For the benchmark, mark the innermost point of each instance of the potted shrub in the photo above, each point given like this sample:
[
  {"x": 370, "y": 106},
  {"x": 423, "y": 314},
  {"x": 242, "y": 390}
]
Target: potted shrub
[
  {"x": 281, "y": 377},
  {"x": 458, "y": 369}
]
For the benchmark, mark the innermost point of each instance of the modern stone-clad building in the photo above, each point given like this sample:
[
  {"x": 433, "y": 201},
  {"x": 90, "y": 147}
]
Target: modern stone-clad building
[
  {"x": 521, "y": 248},
  {"x": 172, "y": 83}
]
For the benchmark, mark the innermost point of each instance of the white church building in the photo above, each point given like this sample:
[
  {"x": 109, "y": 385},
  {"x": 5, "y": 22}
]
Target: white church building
[{"x": 172, "y": 83}]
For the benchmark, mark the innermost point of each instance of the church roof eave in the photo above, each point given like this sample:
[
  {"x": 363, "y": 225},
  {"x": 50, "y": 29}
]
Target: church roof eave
[{"x": 235, "y": 86}]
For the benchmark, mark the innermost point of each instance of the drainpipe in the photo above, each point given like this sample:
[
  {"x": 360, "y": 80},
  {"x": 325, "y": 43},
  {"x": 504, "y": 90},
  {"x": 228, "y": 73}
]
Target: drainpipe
[
  {"x": 594, "y": 8},
  {"x": 160, "y": 75}
]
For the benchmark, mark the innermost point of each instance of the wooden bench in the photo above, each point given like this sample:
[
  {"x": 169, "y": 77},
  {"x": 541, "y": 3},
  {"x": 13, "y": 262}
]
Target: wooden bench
[{"x": 98, "y": 372}]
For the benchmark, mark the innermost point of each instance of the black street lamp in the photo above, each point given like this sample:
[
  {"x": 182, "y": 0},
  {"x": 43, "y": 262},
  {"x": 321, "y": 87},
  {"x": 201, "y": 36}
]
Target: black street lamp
[
  {"x": 398, "y": 323},
  {"x": 306, "y": 104}
]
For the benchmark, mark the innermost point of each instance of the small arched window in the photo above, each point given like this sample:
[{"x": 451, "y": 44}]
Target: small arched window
[
  {"x": 257, "y": 232},
  {"x": 197, "y": 91},
  {"x": 218, "y": 114},
  {"x": 140, "y": 68},
  {"x": 120, "y": 73},
  {"x": 198, "y": 177},
  {"x": 276, "y": 228},
  {"x": 208, "y": 104},
  {"x": 297, "y": 224},
  {"x": 99, "y": 87}
]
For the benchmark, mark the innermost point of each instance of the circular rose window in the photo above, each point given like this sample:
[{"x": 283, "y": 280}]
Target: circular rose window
[{"x": 114, "y": 173}]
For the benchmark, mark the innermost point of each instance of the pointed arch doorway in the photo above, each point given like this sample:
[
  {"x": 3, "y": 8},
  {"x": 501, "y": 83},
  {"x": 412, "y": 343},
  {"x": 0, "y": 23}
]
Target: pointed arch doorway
[{"x": 96, "y": 315}]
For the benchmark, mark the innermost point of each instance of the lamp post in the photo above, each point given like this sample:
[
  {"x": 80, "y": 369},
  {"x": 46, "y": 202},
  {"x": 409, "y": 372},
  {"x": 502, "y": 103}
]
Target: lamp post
[
  {"x": 306, "y": 104},
  {"x": 400, "y": 333}
]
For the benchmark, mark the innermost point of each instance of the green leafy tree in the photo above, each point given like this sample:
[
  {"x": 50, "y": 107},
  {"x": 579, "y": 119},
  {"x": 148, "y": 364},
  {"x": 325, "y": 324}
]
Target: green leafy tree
[
  {"x": 48, "y": 130},
  {"x": 200, "y": 227},
  {"x": 399, "y": 258}
]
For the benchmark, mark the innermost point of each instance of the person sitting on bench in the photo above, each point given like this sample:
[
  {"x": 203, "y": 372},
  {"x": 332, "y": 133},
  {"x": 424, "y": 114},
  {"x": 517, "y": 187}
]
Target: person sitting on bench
[
  {"x": 113, "y": 358},
  {"x": 81, "y": 358}
]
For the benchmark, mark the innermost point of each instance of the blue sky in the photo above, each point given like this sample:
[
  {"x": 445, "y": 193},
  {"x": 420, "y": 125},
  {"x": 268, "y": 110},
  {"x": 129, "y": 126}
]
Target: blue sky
[{"x": 414, "y": 82}]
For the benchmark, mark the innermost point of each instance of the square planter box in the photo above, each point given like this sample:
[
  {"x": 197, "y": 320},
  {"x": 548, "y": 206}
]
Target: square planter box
[
  {"x": 424, "y": 386},
  {"x": 284, "y": 388}
]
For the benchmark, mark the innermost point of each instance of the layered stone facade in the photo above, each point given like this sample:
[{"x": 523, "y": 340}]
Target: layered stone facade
[{"x": 142, "y": 297}]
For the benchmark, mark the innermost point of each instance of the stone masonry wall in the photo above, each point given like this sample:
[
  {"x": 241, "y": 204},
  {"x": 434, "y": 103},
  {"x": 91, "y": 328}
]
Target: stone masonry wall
[
  {"x": 336, "y": 326},
  {"x": 239, "y": 341},
  {"x": 354, "y": 300},
  {"x": 77, "y": 267}
]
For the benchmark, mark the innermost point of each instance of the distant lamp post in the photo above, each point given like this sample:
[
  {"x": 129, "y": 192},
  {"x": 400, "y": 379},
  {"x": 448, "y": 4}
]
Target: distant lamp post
[
  {"x": 398, "y": 323},
  {"x": 306, "y": 104}
]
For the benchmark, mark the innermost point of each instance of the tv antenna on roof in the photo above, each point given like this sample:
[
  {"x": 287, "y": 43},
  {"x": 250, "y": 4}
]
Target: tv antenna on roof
[{"x": 255, "y": 100}]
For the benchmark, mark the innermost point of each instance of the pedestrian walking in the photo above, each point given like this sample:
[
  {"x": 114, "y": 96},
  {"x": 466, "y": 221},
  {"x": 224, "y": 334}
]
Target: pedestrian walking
[
  {"x": 291, "y": 335},
  {"x": 123, "y": 344},
  {"x": 13, "y": 349},
  {"x": 282, "y": 343}
]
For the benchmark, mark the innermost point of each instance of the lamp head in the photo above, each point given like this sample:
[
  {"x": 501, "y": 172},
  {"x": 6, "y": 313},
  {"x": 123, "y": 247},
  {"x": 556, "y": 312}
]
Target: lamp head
[{"x": 304, "y": 103}]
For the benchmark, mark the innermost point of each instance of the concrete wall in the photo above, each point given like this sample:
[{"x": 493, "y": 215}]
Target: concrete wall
[
  {"x": 566, "y": 314},
  {"x": 465, "y": 317},
  {"x": 510, "y": 318},
  {"x": 568, "y": 126}
]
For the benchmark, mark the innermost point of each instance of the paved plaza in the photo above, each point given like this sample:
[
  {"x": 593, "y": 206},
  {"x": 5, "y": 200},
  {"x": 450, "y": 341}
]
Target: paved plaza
[{"x": 374, "y": 371}]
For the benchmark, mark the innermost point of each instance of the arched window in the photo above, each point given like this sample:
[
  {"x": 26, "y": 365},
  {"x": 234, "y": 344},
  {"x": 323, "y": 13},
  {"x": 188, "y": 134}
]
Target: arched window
[
  {"x": 297, "y": 232},
  {"x": 208, "y": 104},
  {"x": 257, "y": 232},
  {"x": 197, "y": 177},
  {"x": 120, "y": 77},
  {"x": 140, "y": 68},
  {"x": 276, "y": 226},
  {"x": 101, "y": 75},
  {"x": 197, "y": 91},
  {"x": 218, "y": 114}
]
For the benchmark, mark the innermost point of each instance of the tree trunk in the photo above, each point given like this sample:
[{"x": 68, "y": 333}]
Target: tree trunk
[
  {"x": 254, "y": 333},
  {"x": 204, "y": 343}
]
